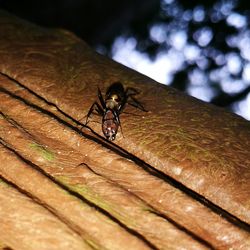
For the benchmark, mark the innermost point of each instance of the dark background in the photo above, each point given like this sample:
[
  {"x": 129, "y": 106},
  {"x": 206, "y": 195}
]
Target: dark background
[{"x": 219, "y": 30}]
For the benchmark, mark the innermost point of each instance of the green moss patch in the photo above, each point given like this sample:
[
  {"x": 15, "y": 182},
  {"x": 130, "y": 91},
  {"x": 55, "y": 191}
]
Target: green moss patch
[{"x": 41, "y": 150}]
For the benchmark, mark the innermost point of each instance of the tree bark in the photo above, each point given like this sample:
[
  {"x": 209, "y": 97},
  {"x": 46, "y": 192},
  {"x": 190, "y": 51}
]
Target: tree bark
[{"x": 177, "y": 177}]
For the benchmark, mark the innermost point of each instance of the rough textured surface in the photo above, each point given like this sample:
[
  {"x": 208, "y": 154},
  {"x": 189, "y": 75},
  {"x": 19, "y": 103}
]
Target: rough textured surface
[{"x": 178, "y": 177}]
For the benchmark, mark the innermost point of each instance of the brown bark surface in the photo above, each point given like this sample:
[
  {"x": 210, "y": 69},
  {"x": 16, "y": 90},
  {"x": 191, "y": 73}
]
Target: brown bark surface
[{"x": 177, "y": 178}]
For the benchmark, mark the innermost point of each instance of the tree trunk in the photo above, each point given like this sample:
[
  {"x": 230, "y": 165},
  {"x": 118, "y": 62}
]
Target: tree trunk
[{"x": 177, "y": 177}]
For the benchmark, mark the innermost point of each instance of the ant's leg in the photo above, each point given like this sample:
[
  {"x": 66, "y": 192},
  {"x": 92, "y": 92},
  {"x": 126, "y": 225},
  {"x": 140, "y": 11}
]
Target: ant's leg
[
  {"x": 128, "y": 93},
  {"x": 132, "y": 91},
  {"x": 95, "y": 106},
  {"x": 101, "y": 98},
  {"x": 136, "y": 104}
]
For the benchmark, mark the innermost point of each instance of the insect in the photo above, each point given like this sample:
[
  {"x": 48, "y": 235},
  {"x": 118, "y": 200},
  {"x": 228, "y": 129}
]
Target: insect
[{"x": 112, "y": 105}]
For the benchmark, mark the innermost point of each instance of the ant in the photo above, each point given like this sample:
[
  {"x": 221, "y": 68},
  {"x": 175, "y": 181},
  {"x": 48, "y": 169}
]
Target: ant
[{"x": 112, "y": 106}]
